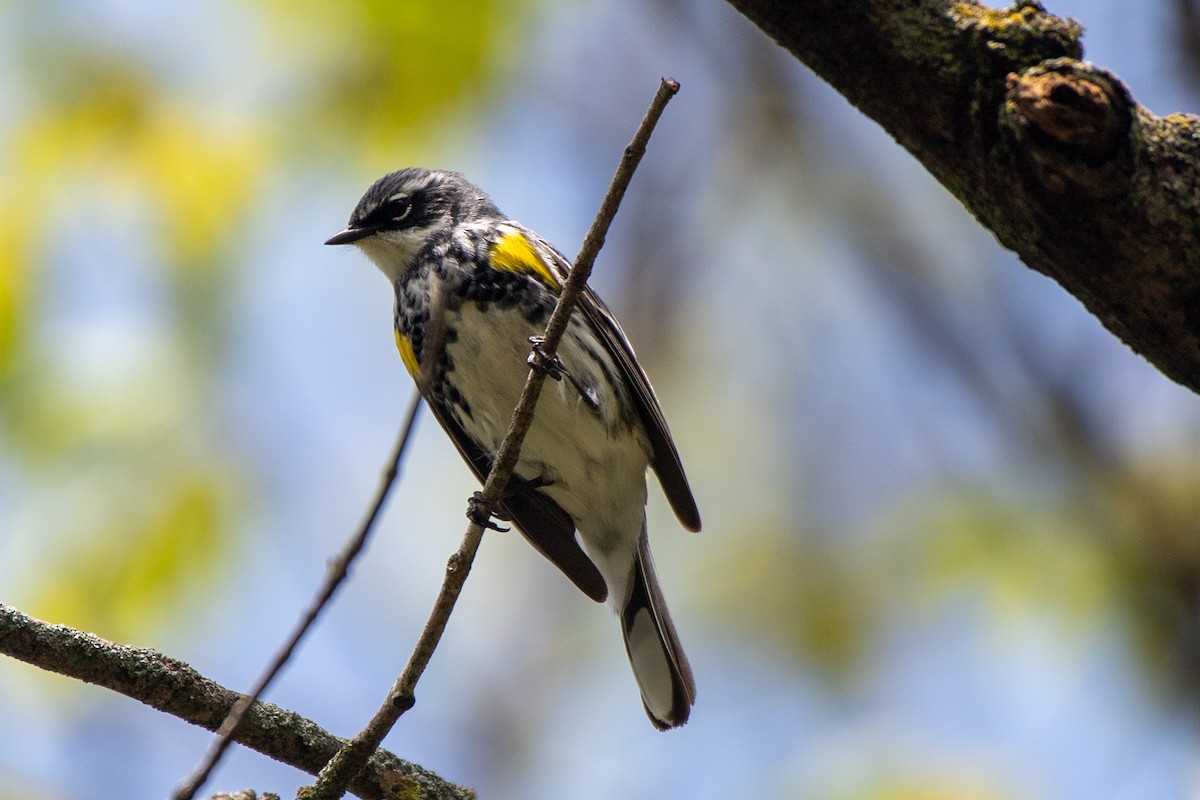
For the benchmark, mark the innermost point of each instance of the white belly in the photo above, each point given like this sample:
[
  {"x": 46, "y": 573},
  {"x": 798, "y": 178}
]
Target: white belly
[{"x": 597, "y": 471}]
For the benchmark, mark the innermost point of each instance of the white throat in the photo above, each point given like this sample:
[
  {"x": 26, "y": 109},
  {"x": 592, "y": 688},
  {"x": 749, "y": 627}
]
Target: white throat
[{"x": 393, "y": 251}]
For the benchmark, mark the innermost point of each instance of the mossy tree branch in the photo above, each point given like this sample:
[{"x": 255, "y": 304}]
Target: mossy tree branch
[
  {"x": 175, "y": 688},
  {"x": 1052, "y": 154}
]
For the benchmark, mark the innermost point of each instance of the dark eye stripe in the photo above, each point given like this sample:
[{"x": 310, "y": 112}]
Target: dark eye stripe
[{"x": 390, "y": 213}]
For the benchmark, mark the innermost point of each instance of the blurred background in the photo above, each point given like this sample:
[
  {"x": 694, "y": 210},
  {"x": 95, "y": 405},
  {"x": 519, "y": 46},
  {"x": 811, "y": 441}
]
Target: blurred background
[{"x": 952, "y": 526}]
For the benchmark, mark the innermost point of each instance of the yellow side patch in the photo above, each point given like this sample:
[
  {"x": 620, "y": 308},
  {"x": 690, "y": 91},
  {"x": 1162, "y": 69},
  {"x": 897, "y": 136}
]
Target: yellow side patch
[
  {"x": 406, "y": 353},
  {"x": 515, "y": 253}
]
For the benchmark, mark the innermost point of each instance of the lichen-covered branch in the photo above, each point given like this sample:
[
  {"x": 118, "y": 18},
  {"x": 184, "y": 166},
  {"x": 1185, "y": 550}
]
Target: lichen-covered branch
[
  {"x": 175, "y": 688},
  {"x": 1051, "y": 153}
]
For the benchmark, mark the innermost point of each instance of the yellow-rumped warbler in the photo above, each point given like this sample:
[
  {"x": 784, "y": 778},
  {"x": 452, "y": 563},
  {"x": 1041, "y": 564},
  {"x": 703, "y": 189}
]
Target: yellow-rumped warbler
[{"x": 472, "y": 287}]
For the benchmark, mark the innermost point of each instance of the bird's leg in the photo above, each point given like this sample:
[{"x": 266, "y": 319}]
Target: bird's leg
[{"x": 519, "y": 485}]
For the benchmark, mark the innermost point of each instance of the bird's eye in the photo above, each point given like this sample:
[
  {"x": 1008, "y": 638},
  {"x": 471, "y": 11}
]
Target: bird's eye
[{"x": 398, "y": 207}]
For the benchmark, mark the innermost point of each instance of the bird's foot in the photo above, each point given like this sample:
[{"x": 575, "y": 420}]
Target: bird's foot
[
  {"x": 478, "y": 513},
  {"x": 538, "y": 361}
]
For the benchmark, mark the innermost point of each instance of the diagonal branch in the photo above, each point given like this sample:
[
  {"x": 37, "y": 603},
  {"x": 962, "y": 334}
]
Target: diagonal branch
[
  {"x": 336, "y": 573},
  {"x": 1052, "y": 154},
  {"x": 334, "y": 779},
  {"x": 175, "y": 688}
]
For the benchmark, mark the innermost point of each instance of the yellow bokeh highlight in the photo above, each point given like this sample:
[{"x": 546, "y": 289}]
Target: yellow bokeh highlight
[
  {"x": 154, "y": 519},
  {"x": 135, "y": 568},
  {"x": 16, "y": 282},
  {"x": 1023, "y": 561},
  {"x": 121, "y": 137},
  {"x": 204, "y": 184},
  {"x": 391, "y": 68}
]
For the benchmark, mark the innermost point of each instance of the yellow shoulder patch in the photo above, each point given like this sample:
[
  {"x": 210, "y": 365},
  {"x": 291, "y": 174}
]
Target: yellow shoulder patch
[
  {"x": 515, "y": 253},
  {"x": 406, "y": 353}
]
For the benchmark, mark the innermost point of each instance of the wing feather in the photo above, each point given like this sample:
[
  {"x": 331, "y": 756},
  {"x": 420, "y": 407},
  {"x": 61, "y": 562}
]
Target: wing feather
[
  {"x": 666, "y": 463},
  {"x": 543, "y": 522}
]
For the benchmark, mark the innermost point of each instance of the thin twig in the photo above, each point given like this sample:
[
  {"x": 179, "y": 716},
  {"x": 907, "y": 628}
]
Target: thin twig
[
  {"x": 174, "y": 688},
  {"x": 332, "y": 781},
  {"x": 335, "y": 573}
]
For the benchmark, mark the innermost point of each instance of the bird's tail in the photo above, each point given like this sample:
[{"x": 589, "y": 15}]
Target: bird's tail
[{"x": 662, "y": 670}]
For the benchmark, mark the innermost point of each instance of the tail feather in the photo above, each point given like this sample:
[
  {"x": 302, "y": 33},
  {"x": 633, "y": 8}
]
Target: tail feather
[{"x": 662, "y": 670}]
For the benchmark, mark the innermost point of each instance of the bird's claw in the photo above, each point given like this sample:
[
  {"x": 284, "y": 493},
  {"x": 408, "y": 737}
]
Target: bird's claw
[
  {"x": 477, "y": 513},
  {"x": 538, "y": 361}
]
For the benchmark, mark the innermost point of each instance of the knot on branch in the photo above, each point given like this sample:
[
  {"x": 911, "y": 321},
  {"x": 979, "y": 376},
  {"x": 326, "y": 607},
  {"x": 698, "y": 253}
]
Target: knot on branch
[
  {"x": 1071, "y": 124},
  {"x": 1019, "y": 35}
]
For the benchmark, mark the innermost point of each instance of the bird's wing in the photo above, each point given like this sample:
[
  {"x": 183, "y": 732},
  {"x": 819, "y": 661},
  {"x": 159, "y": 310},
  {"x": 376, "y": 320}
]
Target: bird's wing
[
  {"x": 543, "y": 522},
  {"x": 667, "y": 464}
]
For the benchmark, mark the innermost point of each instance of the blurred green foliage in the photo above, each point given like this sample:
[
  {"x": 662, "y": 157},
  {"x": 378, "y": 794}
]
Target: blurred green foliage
[
  {"x": 1022, "y": 561},
  {"x": 375, "y": 71},
  {"x": 120, "y": 472},
  {"x": 179, "y": 537},
  {"x": 806, "y": 599}
]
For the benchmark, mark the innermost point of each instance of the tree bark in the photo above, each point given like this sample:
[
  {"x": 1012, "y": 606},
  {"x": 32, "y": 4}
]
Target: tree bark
[
  {"x": 175, "y": 688},
  {"x": 1050, "y": 153}
]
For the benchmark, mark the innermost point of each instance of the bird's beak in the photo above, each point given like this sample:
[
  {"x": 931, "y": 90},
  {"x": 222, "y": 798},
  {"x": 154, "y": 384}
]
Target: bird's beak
[{"x": 350, "y": 235}]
